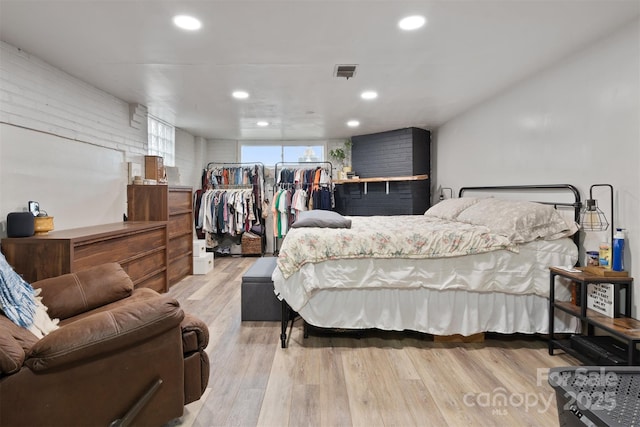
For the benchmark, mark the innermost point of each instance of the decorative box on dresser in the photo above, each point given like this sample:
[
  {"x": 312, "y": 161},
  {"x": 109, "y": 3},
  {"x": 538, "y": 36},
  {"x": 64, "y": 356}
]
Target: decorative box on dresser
[
  {"x": 139, "y": 247},
  {"x": 174, "y": 205}
]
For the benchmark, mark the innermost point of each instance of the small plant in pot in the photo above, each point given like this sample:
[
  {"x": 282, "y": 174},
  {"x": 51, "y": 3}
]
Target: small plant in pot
[{"x": 340, "y": 155}]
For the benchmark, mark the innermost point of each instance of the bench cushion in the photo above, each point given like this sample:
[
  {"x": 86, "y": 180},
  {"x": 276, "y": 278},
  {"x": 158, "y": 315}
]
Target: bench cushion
[{"x": 261, "y": 270}]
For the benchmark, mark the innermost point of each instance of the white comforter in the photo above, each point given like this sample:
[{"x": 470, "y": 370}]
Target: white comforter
[{"x": 310, "y": 261}]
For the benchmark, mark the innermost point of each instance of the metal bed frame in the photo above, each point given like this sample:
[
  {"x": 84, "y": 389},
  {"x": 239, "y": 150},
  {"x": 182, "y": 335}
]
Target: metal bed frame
[{"x": 288, "y": 315}]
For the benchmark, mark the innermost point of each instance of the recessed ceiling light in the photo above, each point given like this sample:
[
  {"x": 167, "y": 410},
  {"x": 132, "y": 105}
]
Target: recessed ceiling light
[
  {"x": 262, "y": 123},
  {"x": 353, "y": 123},
  {"x": 412, "y": 22},
  {"x": 369, "y": 94},
  {"x": 187, "y": 22},
  {"x": 240, "y": 94}
]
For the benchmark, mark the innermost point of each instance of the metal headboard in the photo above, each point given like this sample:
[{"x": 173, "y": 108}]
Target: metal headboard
[{"x": 576, "y": 204}]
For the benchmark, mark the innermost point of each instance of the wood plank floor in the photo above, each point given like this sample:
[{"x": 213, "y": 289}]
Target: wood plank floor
[{"x": 376, "y": 379}]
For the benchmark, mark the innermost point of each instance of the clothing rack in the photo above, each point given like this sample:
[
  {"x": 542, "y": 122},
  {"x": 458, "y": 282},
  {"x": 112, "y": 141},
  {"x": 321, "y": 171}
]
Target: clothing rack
[
  {"x": 239, "y": 184},
  {"x": 234, "y": 187},
  {"x": 212, "y": 165},
  {"x": 232, "y": 164},
  {"x": 311, "y": 186},
  {"x": 308, "y": 165}
]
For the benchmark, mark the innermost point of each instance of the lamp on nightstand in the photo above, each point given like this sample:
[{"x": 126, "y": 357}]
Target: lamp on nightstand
[
  {"x": 441, "y": 197},
  {"x": 591, "y": 217}
]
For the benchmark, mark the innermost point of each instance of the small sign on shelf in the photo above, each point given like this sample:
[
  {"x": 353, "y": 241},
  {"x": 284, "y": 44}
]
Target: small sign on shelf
[{"x": 601, "y": 298}]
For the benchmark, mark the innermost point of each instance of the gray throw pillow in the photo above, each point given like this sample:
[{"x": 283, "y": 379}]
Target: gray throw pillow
[{"x": 322, "y": 219}]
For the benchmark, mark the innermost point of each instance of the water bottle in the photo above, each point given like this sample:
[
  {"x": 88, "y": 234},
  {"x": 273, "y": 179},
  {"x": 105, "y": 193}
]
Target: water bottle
[{"x": 618, "y": 250}]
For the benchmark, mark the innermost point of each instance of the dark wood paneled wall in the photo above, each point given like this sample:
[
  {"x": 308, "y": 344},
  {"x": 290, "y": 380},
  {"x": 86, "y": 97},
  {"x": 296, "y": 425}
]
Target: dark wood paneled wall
[{"x": 402, "y": 152}]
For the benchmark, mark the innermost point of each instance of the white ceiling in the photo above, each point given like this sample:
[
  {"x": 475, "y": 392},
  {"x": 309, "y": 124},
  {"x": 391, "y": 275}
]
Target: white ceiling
[{"x": 284, "y": 53}]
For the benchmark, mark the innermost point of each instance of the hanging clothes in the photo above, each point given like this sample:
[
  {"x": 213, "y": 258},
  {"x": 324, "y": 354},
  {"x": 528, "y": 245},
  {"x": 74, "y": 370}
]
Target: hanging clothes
[
  {"x": 231, "y": 199},
  {"x": 230, "y": 211},
  {"x": 281, "y": 212},
  {"x": 297, "y": 190}
]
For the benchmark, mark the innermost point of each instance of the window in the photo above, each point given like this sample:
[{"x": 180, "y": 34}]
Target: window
[
  {"x": 271, "y": 154},
  {"x": 162, "y": 140}
]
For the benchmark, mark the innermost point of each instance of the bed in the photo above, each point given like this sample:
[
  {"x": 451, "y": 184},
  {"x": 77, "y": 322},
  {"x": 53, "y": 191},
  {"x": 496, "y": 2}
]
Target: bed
[{"x": 468, "y": 265}]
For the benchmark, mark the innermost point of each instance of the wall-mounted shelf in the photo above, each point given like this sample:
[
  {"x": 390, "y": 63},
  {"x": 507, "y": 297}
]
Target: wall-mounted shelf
[{"x": 386, "y": 180}]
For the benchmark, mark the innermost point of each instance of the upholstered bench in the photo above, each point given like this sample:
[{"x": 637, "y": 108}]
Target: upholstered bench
[{"x": 258, "y": 300}]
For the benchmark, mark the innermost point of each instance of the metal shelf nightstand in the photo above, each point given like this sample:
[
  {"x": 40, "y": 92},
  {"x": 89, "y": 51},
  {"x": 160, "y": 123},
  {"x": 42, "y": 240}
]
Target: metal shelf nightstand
[{"x": 622, "y": 326}]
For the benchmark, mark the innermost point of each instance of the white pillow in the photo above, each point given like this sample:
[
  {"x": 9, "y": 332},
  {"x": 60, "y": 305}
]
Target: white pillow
[
  {"x": 450, "y": 208},
  {"x": 520, "y": 221}
]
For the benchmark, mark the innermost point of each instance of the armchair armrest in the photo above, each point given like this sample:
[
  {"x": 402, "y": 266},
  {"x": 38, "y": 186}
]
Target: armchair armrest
[
  {"x": 105, "y": 332},
  {"x": 195, "y": 334},
  {"x": 14, "y": 342},
  {"x": 195, "y": 338},
  {"x": 12, "y": 354},
  {"x": 74, "y": 293}
]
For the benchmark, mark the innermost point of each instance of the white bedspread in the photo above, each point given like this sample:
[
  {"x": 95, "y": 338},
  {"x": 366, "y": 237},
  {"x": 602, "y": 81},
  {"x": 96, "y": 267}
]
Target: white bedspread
[
  {"x": 522, "y": 273},
  {"x": 386, "y": 237}
]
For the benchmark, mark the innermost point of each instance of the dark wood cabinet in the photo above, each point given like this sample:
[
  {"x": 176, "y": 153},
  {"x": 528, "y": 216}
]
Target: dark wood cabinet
[
  {"x": 139, "y": 247},
  {"x": 172, "y": 204}
]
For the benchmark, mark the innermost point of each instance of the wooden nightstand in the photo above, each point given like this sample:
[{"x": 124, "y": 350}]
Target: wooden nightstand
[{"x": 622, "y": 326}]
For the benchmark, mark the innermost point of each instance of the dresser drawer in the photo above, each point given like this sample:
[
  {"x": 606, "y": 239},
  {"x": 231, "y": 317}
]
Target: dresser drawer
[
  {"x": 118, "y": 249},
  {"x": 180, "y": 224},
  {"x": 179, "y": 200},
  {"x": 180, "y": 246},
  {"x": 145, "y": 265},
  {"x": 157, "y": 282},
  {"x": 180, "y": 268}
]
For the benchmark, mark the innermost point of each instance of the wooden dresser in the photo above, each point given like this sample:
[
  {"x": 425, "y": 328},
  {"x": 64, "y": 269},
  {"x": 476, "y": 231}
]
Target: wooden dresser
[
  {"x": 139, "y": 247},
  {"x": 174, "y": 205}
]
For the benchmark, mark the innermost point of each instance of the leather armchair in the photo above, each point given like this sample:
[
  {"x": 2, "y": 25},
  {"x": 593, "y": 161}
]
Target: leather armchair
[{"x": 120, "y": 356}]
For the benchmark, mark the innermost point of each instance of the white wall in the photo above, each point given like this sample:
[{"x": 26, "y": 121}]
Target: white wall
[
  {"x": 60, "y": 174},
  {"x": 65, "y": 144},
  {"x": 577, "y": 122},
  {"x": 222, "y": 150},
  {"x": 189, "y": 155},
  {"x": 38, "y": 96}
]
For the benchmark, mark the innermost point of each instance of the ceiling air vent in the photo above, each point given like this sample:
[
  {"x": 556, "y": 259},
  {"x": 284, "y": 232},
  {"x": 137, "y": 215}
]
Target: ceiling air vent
[{"x": 346, "y": 71}]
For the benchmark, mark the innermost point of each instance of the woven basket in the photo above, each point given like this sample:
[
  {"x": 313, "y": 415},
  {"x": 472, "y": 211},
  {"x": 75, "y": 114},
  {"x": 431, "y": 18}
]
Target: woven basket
[{"x": 251, "y": 244}]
